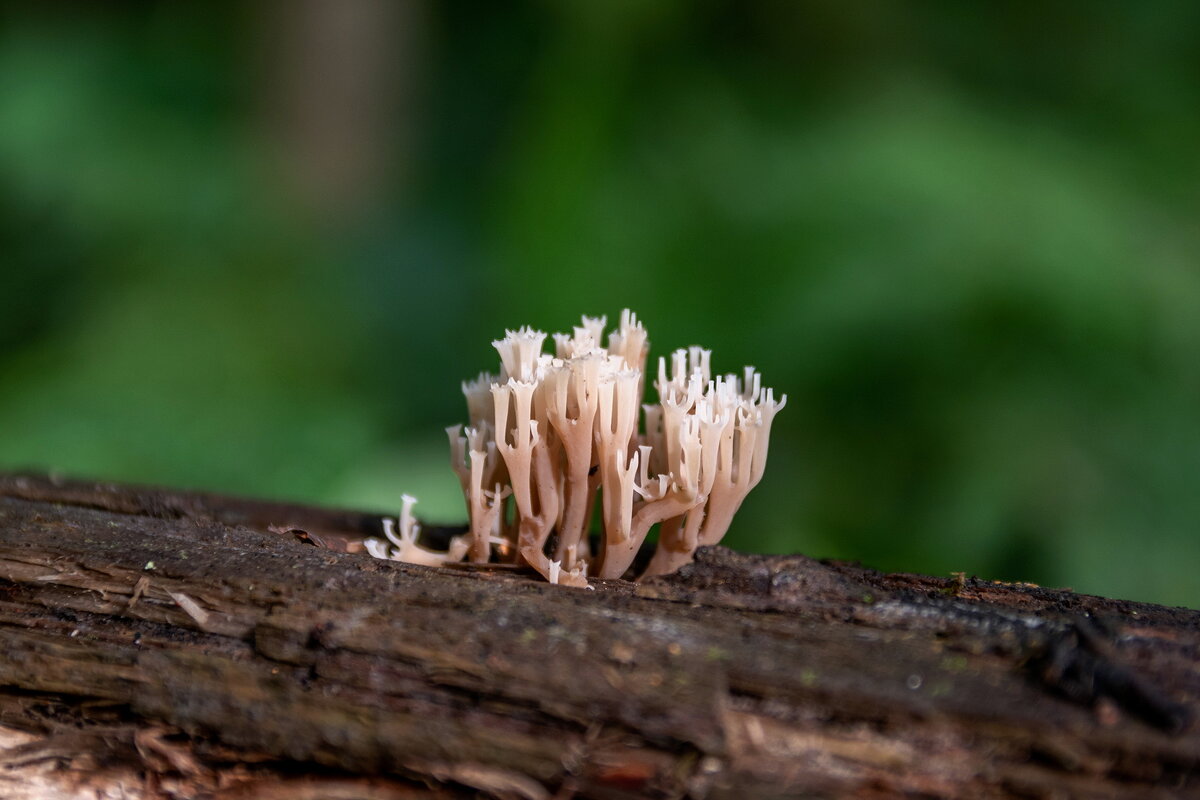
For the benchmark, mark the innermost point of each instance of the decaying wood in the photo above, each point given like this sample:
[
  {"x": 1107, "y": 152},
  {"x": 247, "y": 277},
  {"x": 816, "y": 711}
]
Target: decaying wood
[{"x": 218, "y": 647}]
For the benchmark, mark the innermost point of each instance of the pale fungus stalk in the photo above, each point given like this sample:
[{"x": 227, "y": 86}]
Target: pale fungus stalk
[
  {"x": 551, "y": 438},
  {"x": 402, "y": 545}
]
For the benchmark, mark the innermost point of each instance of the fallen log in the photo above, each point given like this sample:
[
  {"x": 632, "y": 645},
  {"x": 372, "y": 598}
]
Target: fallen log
[{"x": 194, "y": 645}]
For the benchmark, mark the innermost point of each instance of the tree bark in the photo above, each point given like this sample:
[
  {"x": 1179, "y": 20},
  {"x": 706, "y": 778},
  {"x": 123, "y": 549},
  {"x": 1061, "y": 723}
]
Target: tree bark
[{"x": 200, "y": 646}]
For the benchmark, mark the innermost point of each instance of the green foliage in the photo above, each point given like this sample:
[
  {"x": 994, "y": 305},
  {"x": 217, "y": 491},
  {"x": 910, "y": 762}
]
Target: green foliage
[{"x": 964, "y": 246}]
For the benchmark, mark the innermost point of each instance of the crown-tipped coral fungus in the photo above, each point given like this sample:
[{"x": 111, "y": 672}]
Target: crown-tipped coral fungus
[{"x": 558, "y": 433}]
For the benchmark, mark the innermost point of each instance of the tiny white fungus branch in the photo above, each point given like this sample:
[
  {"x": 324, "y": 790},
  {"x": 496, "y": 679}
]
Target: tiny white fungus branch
[{"x": 403, "y": 544}]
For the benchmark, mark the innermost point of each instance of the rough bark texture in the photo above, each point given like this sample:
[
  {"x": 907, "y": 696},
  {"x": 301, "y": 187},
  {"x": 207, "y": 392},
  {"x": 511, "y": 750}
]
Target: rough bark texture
[{"x": 210, "y": 646}]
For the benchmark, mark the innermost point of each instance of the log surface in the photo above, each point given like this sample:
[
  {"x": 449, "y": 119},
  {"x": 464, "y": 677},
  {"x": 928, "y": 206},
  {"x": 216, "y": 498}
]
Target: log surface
[{"x": 215, "y": 642}]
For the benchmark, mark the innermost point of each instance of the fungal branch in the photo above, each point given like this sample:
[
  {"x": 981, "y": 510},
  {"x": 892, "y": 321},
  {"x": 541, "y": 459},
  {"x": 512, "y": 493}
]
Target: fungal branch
[
  {"x": 552, "y": 438},
  {"x": 402, "y": 545}
]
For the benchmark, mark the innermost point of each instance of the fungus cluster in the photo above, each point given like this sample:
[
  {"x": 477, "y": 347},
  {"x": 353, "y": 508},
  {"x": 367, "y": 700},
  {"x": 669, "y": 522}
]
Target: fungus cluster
[{"x": 554, "y": 439}]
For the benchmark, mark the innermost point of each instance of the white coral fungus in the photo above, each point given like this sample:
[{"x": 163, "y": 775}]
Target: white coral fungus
[
  {"x": 556, "y": 433},
  {"x": 403, "y": 546}
]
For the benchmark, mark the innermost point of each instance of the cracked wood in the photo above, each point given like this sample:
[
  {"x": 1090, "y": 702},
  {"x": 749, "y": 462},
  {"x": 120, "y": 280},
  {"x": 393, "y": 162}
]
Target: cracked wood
[{"x": 740, "y": 676}]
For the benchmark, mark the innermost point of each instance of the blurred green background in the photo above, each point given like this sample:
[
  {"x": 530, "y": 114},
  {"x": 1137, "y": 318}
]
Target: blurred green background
[{"x": 255, "y": 248}]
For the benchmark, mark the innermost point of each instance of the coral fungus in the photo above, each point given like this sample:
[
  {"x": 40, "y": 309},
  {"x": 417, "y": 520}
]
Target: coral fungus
[{"x": 551, "y": 438}]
